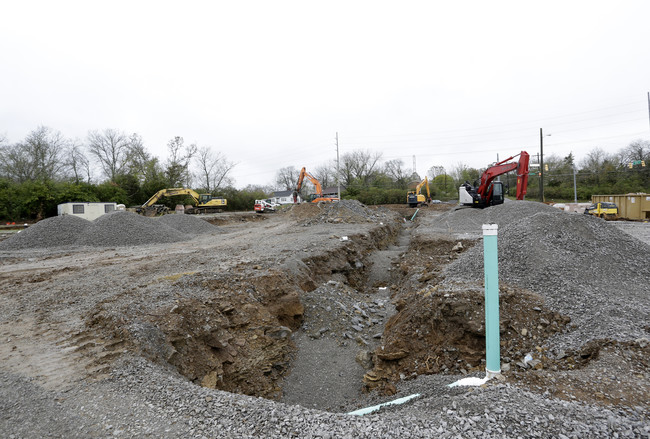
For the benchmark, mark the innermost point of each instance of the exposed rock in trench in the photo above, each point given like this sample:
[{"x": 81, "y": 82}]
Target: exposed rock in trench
[{"x": 237, "y": 339}]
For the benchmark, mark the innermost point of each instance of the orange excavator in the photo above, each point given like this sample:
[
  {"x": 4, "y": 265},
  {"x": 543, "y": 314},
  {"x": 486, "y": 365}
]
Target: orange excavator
[
  {"x": 490, "y": 192},
  {"x": 318, "y": 189}
]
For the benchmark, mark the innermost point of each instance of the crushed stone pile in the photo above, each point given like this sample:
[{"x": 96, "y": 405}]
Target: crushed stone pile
[
  {"x": 466, "y": 222},
  {"x": 344, "y": 211},
  {"x": 51, "y": 232},
  {"x": 189, "y": 224},
  {"x": 118, "y": 228},
  {"x": 122, "y": 228},
  {"x": 582, "y": 266}
]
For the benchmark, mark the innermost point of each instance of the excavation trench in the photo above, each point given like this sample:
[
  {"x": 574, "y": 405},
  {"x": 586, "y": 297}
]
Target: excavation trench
[
  {"x": 241, "y": 330},
  {"x": 322, "y": 329}
]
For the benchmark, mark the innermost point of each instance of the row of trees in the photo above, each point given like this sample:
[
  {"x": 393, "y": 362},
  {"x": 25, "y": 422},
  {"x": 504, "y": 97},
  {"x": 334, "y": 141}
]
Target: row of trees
[
  {"x": 46, "y": 169},
  {"x": 371, "y": 181},
  {"x": 46, "y": 155}
]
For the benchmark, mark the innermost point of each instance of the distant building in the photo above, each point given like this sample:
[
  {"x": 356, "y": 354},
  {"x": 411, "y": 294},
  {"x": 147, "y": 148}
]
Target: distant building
[
  {"x": 283, "y": 197},
  {"x": 332, "y": 191},
  {"x": 89, "y": 211}
]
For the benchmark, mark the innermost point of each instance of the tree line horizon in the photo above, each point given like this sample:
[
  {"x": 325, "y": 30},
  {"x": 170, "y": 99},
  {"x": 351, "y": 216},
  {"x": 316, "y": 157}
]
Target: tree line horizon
[{"x": 46, "y": 169}]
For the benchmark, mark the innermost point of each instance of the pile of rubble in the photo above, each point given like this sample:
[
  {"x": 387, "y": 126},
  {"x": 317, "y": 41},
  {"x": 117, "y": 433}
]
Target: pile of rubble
[
  {"x": 337, "y": 311},
  {"x": 344, "y": 211}
]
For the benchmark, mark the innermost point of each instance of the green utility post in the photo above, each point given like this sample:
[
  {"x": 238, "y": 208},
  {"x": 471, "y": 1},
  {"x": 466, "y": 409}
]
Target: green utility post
[{"x": 491, "y": 265}]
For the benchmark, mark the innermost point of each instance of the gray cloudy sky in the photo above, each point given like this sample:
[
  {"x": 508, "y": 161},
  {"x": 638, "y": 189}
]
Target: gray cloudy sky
[{"x": 269, "y": 83}]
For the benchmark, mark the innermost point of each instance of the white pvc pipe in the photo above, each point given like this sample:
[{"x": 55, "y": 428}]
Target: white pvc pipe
[
  {"x": 374, "y": 408},
  {"x": 470, "y": 381}
]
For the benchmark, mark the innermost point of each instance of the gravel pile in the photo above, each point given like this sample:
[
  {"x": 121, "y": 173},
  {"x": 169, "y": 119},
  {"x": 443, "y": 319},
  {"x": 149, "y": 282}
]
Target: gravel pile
[
  {"x": 159, "y": 404},
  {"x": 584, "y": 267},
  {"x": 348, "y": 211},
  {"x": 51, "y": 232},
  {"x": 121, "y": 228},
  {"x": 118, "y": 228},
  {"x": 188, "y": 224},
  {"x": 144, "y": 400},
  {"x": 466, "y": 222}
]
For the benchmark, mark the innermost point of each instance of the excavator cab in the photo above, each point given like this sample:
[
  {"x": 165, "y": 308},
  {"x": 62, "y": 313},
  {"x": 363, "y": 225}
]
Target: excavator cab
[
  {"x": 497, "y": 193},
  {"x": 204, "y": 198}
]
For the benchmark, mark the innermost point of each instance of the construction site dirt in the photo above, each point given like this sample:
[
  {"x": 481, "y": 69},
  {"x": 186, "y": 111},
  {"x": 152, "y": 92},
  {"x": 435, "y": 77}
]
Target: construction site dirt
[{"x": 278, "y": 324}]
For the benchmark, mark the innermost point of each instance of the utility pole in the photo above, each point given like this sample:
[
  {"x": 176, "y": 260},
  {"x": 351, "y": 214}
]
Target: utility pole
[
  {"x": 541, "y": 166},
  {"x": 338, "y": 180},
  {"x": 414, "y": 171},
  {"x": 575, "y": 189}
]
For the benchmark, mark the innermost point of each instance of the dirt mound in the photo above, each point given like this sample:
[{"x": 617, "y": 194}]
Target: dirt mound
[
  {"x": 439, "y": 328},
  {"x": 51, "y": 232},
  {"x": 239, "y": 340},
  {"x": 121, "y": 228},
  {"x": 344, "y": 211},
  {"x": 188, "y": 224},
  {"x": 442, "y": 330}
]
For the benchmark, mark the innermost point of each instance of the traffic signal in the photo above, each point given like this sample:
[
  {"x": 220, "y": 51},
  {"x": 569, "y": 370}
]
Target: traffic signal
[
  {"x": 643, "y": 163},
  {"x": 546, "y": 167},
  {"x": 629, "y": 165}
]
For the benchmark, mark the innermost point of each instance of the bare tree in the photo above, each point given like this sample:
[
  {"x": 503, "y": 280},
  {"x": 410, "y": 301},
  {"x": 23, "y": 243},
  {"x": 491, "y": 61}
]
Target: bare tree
[
  {"x": 594, "y": 160},
  {"x": 177, "y": 168},
  {"x": 140, "y": 163},
  {"x": 395, "y": 170},
  {"x": 111, "y": 149},
  {"x": 213, "y": 169},
  {"x": 434, "y": 171},
  {"x": 326, "y": 174},
  {"x": 40, "y": 157},
  {"x": 462, "y": 173},
  {"x": 286, "y": 178},
  {"x": 359, "y": 165},
  {"x": 637, "y": 150},
  {"x": 78, "y": 163}
]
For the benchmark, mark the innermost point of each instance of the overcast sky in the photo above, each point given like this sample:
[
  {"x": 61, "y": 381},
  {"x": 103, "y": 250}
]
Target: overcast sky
[{"x": 270, "y": 83}]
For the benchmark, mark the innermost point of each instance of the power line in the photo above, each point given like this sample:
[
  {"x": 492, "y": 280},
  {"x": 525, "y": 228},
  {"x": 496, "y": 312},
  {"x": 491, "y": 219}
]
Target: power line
[{"x": 536, "y": 121}]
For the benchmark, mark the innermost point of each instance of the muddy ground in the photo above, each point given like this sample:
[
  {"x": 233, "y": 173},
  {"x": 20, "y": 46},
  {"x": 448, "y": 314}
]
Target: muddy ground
[{"x": 324, "y": 309}]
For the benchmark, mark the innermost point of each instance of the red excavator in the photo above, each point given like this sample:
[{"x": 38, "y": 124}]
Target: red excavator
[
  {"x": 318, "y": 189},
  {"x": 490, "y": 192}
]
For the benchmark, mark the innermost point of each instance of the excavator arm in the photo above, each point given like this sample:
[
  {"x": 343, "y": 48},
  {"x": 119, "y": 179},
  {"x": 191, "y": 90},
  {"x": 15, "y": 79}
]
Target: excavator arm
[
  {"x": 501, "y": 168},
  {"x": 170, "y": 193},
  {"x": 424, "y": 183},
  {"x": 318, "y": 189}
]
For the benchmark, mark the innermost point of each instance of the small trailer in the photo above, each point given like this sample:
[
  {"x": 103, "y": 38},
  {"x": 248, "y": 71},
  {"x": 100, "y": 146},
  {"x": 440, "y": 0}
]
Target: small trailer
[{"x": 89, "y": 211}]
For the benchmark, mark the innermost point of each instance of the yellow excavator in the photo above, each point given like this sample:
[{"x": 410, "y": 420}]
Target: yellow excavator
[
  {"x": 415, "y": 198},
  {"x": 203, "y": 203}
]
